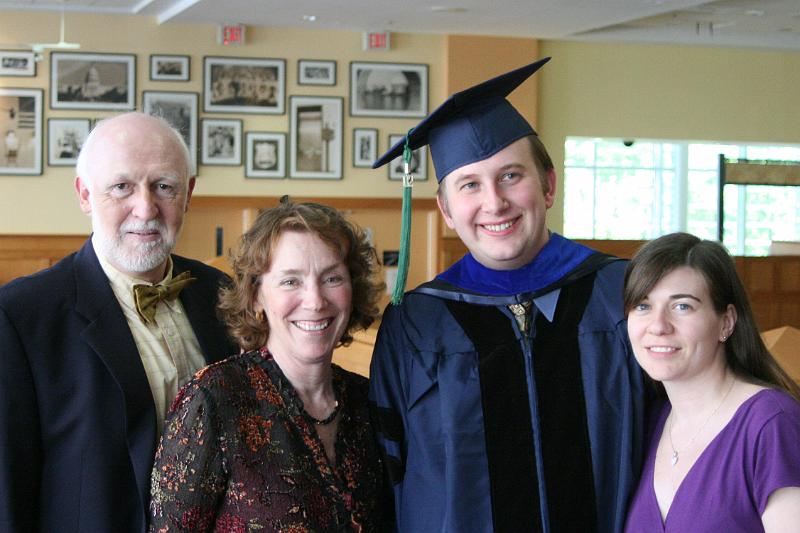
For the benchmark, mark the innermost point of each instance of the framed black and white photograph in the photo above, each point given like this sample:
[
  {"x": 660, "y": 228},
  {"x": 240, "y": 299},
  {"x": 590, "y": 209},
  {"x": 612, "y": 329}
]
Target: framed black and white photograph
[
  {"x": 244, "y": 85},
  {"x": 418, "y": 166},
  {"x": 17, "y": 63},
  {"x": 65, "y": 138},
  {"x": 92, "y": 81},
  {"x": 316, "y": 72},
  {"x": 221, "y": 142},
  {"x": 265, "y": 155},
  {"x": 180, "y": 110},
  {"x": 315, "y": 148},
  {"x": 21, "y": 131},
  {"x": 365, "y": 147},
  {"x": 169, "y": 68},
  {"x": 388, "y": 90}
]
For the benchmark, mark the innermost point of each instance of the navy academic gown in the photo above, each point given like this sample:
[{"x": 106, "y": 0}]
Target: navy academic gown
[{"x": 489, "y": 428}]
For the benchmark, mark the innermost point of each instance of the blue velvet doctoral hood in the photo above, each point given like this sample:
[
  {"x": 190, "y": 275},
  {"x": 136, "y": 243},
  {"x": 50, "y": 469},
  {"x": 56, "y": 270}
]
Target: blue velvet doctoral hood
[{"x": 557, "y": 258}]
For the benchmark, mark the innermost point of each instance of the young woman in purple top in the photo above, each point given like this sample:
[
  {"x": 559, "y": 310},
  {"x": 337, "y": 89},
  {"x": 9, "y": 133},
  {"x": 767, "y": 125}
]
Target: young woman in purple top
[{"x": 724, "y": 449}]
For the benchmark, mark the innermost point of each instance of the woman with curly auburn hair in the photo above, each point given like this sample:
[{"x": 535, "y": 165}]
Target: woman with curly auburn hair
[
  {"x": 277, "y": 438},
  {"x": 722, "y": 452}
]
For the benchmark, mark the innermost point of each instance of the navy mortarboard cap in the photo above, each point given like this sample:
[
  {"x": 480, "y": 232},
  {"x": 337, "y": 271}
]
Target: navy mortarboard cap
[{"x": 471, "y": 125}]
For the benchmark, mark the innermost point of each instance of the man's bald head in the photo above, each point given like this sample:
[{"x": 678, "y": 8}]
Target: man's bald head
[{"x": 124, "y": 129}]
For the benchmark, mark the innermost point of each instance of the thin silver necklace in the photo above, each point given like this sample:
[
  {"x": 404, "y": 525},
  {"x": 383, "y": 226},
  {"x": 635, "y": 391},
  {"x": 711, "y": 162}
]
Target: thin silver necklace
[{"x": 674, "y": 459}]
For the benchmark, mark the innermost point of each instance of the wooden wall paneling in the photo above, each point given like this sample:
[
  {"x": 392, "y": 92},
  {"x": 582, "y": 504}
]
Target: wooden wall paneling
[
  {"x": 772, "y": 283},
  {"x": 623, "y": 249},
  {"x": 21, "y": 255},
  {"x": 198, "y": 238}
]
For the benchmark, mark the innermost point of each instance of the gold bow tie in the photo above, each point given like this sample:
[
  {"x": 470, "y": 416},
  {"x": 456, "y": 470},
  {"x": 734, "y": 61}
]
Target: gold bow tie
[{"x": 148, "y": 296}]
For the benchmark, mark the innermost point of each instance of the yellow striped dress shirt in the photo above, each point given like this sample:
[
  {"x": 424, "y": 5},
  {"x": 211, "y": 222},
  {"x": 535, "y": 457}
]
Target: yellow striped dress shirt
[{"x": 169, "y": 348}]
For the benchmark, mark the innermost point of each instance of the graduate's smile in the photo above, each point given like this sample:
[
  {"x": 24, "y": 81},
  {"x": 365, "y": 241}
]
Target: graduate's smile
[
  {"x": 498, "y": 205},
  {"x": 500, "y": 228}
]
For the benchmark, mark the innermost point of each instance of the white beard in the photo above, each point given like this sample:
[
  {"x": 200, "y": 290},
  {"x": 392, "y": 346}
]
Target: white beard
[{"x": 142, "y": 257}]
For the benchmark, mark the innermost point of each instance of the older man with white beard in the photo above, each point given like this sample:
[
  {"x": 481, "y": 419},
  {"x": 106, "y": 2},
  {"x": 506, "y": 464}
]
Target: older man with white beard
[{"x": 93, "y": 350}]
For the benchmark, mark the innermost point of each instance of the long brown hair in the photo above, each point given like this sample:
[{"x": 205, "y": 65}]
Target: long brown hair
[
  {"x": 745, "y": 352},
  {"x": 254, "y": 255}
]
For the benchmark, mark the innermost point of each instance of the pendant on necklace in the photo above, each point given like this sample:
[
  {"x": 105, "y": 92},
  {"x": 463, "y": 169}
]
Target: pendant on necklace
[{"x": 674, "y": 459}]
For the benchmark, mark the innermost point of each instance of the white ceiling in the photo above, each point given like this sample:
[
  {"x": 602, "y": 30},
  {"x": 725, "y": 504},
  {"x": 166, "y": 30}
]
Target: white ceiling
[{"x": 746, "y": 23}]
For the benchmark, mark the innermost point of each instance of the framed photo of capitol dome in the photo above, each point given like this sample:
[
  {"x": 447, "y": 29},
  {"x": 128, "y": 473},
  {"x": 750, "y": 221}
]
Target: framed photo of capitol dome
[{"x": 92, "y": 81}]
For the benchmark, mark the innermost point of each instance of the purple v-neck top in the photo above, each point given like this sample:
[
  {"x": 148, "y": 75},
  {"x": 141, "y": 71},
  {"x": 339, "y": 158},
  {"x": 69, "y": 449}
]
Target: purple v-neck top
[{"x": 727, "y": 488}]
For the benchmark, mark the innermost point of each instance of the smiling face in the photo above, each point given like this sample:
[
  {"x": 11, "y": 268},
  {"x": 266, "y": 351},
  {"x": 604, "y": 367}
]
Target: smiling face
[
  {"x": 498, "y": 206},
  {"x": 134, "y": 186},
  {"x": 307, "y": 296},
  {"x": 676, "y": 333}
]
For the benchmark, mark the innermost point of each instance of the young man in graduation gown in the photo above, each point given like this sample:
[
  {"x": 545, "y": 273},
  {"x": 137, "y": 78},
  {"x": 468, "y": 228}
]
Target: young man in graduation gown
[{"x": 506, "y": 391}]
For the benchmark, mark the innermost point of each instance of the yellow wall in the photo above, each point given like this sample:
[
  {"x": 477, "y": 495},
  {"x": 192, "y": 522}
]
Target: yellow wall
[
  {"x": 471, "y": 59},
  {"x": 665, "y": 92},
  {"x": 46, "y": 204}
]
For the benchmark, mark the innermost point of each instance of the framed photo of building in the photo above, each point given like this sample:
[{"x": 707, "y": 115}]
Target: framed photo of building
[
  {"x": 221, "y": 142},
  {"x": 92, "y": 81},
  {"x": 17, "y": 63},
  {"x": 65, "y": 138},
  {"x": 388, "y": 90},
  {"x": 21, "y": 131},
  {"x": 365, "y": 147},
  {"x": 316, "y": 72},
  {"x": 418, "y": 166},
  {"x": 265, "y": 155},
  {"x": 180, "y": 110},
  {"x": 169, "y": 68},
  {"x": 315, "y": 149},
  {"x": 244, "y": 85}
]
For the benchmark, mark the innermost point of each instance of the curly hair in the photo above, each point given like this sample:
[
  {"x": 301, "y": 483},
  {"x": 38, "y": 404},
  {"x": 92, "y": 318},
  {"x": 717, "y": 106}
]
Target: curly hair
[
  {"x": 254, "y": 254},
  {"x": 745, "y": 352}
]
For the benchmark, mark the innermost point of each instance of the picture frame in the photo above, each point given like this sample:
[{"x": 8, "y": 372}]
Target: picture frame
[
  {"x": 388, "y": 89},
  {"x": 265, "y": 155},
  {"x": 418, "y": 165},
  {"x": 65, "y": 138},
  {"x": 180, "y": 110},
  {"x": 17, "y": 63},
  {"x": 315, "y": 149},
  {"x": 244, "y": 85},
  {"x": 221, "y": 142},
  {"x": 92, "y": 81},
  {"x": 164, "y": 67},
  {"x": 21, "y": 131},
  {"x": 365, "y": 147},
  {"x": 316, "y": 72}
]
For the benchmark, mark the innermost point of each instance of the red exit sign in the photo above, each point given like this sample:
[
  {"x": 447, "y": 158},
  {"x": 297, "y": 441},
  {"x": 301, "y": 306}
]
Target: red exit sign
[
  {"x": 230, "y": 34},
  {"x": 376, "y": 40}
]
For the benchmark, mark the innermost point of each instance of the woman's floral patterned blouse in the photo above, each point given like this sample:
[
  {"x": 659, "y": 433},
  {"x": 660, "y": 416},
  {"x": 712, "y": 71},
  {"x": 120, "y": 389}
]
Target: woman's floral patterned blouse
[{"x": 238, "y": 454}]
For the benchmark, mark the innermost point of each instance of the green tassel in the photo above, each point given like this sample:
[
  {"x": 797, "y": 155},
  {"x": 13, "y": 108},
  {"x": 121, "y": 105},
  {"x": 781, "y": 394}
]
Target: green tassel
[
  {"x": 405, "y": 237},
  {"x": 405, "y": 230}
]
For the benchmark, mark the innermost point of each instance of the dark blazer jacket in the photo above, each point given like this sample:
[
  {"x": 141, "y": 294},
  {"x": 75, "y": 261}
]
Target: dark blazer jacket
[{"x": 77, "y": 418}]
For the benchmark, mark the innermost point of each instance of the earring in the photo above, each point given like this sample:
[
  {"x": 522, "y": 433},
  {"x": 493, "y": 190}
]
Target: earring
[
  {"x": 724, "y": 338},
  {"x": 261, "y": 316}
]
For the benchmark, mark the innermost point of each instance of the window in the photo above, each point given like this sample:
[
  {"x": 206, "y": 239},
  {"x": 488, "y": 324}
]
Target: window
[{"x": 616, "y": 189}]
